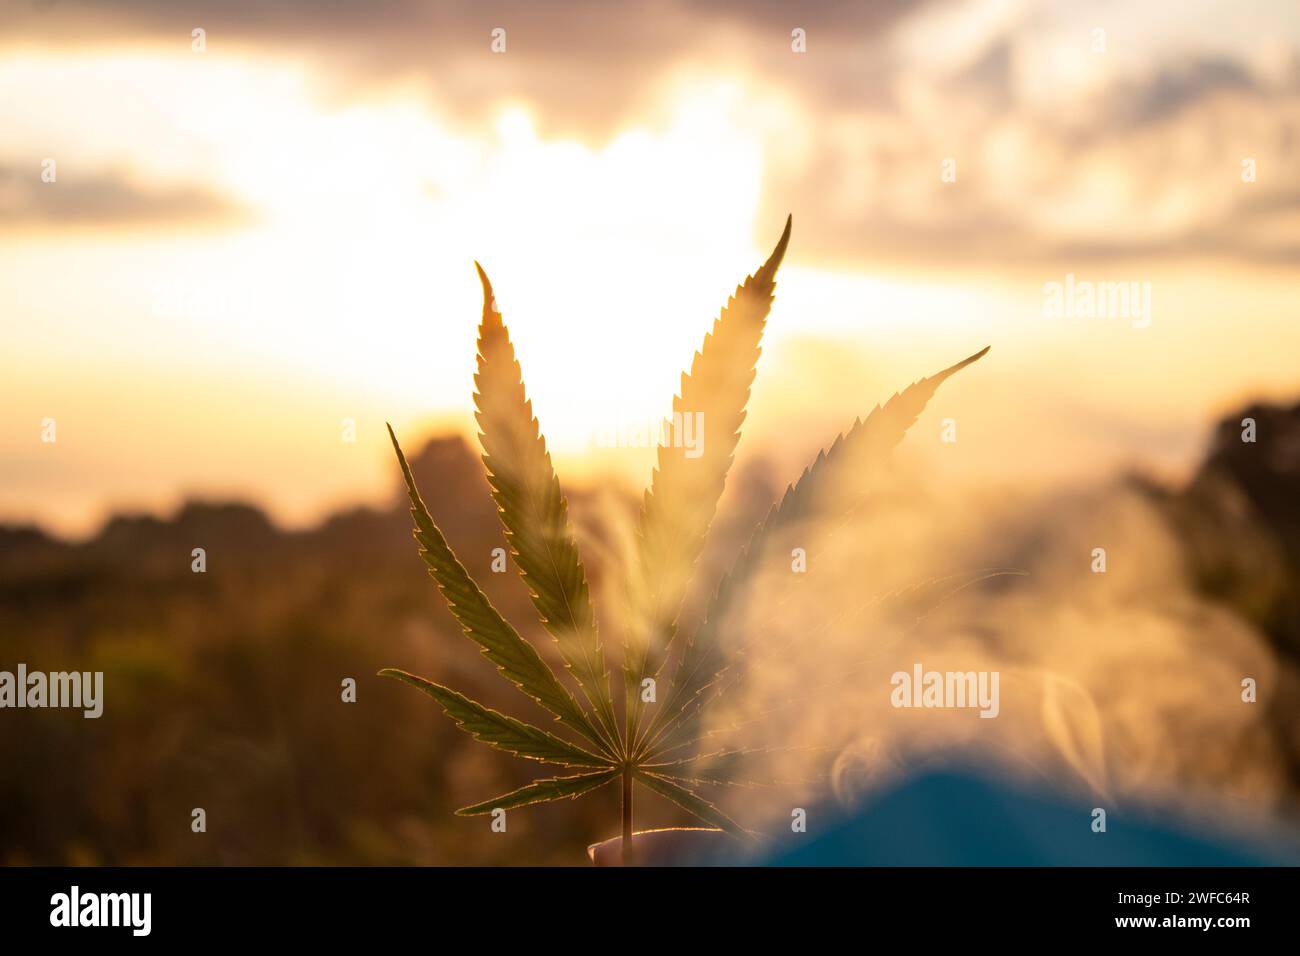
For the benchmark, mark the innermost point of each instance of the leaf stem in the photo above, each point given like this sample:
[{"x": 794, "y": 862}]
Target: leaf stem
[{"x": 627, "y": 816}]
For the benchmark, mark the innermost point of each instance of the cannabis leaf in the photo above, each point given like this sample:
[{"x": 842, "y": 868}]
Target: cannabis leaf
[
  {"x": 498, "y": 730},
  {"x": 482, "y": 623},
  {"x": 675, "y": 515},
  {"x": 534, "y": 512},
  {"x": 684, "y": 490},
  {"x": 856, "y": 453},
  {"x": 541, "y": 791}
]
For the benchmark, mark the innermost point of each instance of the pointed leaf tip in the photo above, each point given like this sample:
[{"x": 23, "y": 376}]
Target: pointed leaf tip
[
  {"x": 483, "y": 278},
  {"x": 778, "y": 254},
  {"x": 939, "y": 377},
  {"x": 489, "y": 297}
]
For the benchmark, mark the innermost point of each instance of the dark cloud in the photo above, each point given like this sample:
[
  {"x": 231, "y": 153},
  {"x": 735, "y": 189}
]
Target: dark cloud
[
  {"x": 583, "y": 63},
  {"x": 1178, "y": 87},
  {"x": 998, "y": 239},
  {"x": 990, "y": 76},
  {"x": 564, "y": 23},
  {"x": 107, "y": 200},
  {"x": 826, "y": 21}
]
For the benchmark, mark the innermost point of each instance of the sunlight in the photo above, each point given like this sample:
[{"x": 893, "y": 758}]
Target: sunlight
[
  {"x": 378, "y": 213},
  {"x": 348, "y": 288}
]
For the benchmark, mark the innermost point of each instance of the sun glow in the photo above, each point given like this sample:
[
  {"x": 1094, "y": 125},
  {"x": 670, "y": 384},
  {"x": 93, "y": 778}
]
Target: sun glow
[
  {"x": 374, "y": 214},
  {"x": 354, "y": 276},
  {"x": 173, "y": 355}
]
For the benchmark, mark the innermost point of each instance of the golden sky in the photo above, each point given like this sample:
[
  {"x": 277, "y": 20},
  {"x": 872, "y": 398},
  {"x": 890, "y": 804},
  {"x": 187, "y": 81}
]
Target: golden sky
[{"x": 250, "y": 239}]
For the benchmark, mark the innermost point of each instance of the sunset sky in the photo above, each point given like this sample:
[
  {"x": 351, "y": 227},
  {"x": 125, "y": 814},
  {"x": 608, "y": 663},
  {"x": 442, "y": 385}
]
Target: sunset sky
[{"x": 245, "y": 244}]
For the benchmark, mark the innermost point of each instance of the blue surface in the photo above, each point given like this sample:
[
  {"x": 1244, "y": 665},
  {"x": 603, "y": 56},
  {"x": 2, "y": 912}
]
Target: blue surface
[{"x": 961, "y": 819}]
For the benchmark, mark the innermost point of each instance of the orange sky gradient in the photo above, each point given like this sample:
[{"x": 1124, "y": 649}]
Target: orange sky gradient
[{"x": 246, "y": 245}]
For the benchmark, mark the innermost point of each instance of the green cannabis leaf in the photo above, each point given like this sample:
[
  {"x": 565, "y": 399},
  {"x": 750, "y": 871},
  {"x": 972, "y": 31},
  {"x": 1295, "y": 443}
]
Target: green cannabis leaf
[
  {"x": 675, "y": 516},
  {"x": 534, "y": 512},
  {"x": 541, "y": 791},
  {"x": 851, "y": 456},
  {"x": 684, "y": 491}
]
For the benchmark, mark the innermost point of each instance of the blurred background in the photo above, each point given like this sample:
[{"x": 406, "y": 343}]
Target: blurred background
[{"x": 237, "y": 238}]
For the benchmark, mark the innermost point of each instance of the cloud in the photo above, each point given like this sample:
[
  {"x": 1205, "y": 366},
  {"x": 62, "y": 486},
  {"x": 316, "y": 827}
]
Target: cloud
[
  {"x": 1180, "y": 86},
  {"x": 1060, "y": 152},
  {"x": 1133, "y": 166},
  {"x": 106, "y": 200},
  {"x": 585, "y": 63}
]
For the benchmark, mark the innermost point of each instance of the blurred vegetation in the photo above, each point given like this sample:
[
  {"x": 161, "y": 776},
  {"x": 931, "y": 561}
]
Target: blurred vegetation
[{"x": 223, "y": 690}]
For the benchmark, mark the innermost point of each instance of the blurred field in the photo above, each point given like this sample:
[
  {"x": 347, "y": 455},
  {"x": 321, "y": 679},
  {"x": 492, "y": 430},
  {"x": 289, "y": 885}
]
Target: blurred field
[
  {"x": 224, "y": 693},
  {"x": 223, "y": 689}
]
